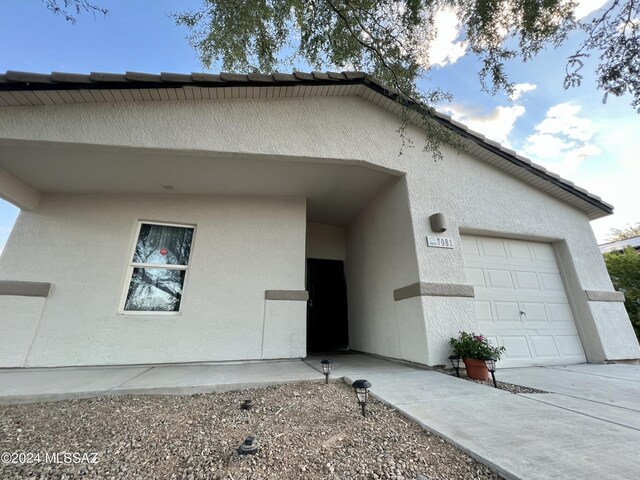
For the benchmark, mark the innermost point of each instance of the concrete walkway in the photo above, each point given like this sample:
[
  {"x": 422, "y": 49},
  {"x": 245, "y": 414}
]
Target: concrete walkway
[
  {"x": 50, "y": 384},
  {"x": 586, "y": 428}
]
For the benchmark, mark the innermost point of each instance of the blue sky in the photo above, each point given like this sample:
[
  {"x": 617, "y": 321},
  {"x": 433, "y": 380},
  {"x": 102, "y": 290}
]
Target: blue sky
[{"x": 569, "y": 132}]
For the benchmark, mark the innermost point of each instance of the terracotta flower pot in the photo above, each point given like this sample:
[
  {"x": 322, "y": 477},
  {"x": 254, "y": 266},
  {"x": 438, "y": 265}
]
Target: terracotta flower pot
[{"x": 476, "y": 369}]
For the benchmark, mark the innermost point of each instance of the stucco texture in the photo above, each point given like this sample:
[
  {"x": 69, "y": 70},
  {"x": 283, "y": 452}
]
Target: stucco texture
[
  {"x": 380, "y": 258},
  {"x": 385, "y": 244},
  {"x": 82, "y": 245}
]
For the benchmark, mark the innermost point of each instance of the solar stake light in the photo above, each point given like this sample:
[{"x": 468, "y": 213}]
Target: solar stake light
[
  {"x": 490, "y": 362},
  {"x": 326, "y": 368},
  {"x": 362, "y": 393},
  {"x": 248, "y": 447},
  {"x": 455, "y": 362}
]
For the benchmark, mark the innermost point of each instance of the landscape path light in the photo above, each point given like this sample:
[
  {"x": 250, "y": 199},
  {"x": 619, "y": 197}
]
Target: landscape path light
[
  {"x": 326, "y": 368},
  {"x": 248, "y": 447},
  {"x": 490, "y": 362},
  {"x": 362, "y": 392},
  {"x": 455, "y": 361}
]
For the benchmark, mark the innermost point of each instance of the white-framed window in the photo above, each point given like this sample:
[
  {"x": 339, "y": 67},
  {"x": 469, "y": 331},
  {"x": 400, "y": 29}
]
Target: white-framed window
[{"x": 158, "y": 268}]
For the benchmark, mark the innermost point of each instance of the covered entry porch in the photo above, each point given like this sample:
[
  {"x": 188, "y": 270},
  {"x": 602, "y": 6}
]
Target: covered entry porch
[{"x": 257, "y": 220}]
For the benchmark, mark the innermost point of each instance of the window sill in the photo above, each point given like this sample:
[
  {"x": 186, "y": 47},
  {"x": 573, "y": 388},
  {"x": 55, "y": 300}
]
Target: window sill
[{"x": 149, "y": 314}]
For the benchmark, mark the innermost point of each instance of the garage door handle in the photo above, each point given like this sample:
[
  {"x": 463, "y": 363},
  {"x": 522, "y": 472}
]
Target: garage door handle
[{"x": 522, "y": 312}]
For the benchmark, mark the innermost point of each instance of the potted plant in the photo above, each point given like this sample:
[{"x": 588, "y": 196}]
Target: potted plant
[{"x": 474, "y": 349}]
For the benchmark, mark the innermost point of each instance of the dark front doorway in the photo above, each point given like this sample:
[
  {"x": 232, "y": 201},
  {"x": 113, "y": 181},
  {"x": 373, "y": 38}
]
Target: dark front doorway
[{"x": 327, "y": 328}]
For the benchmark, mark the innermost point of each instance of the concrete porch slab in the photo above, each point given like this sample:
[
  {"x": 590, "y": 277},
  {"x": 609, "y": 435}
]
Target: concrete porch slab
[
  {"x": 190, "y": 379},
  {"x": 51, "y": 384},
  {"x": 356, "y": 363},
  {"x": 28, "y": 385}
]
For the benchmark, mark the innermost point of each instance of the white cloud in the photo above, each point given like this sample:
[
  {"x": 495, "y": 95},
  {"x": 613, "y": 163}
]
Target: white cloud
[
  {"x": 444, "y": 47},
  {"x": 496, "y": 124},
  {"x": 563, "y": 140},
  {"x": 520, "y": 88},
  {"x": 585, "y": 7},
  {"x": 617, "y": 183},
  {"x": 563, "y": 119},
  {"x": 599, "y": 155}
]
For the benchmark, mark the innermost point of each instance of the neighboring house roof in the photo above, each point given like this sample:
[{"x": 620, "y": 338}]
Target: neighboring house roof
[
  {"x": 620, "y": 245},
  {"x": 28, "y": 89}
]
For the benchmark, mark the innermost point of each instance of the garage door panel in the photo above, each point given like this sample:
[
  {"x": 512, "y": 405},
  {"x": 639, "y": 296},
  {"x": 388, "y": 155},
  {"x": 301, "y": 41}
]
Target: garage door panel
[
  {"x": 492, "y": 248},
  {"x": 475, "y": 275},
  {"x": 551, "y": 282},
  {"x": 570, "y": 346},
  {"x": 469, "y": 247},
  {"x": 526, "y": 280},
  {"x": 514, "y": 276},
  {"x": 560, "y": 312},
  {"x": 519, "y": 251},
  {"x": 536, "y": 312},
  {"x": 499, "y": 279},
  {"x": 543, "y": 253},
  {"x": 544, "y": 346},
  {"x": 507, "y": 311},
  {"x": 516, "y": 346},
  {"x": 483, "y": 311}
]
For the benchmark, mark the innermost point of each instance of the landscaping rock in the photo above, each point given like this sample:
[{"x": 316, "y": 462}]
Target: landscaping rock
[
  {"x": 305, "y": 430},
  {"x": 509, "y": 387}
]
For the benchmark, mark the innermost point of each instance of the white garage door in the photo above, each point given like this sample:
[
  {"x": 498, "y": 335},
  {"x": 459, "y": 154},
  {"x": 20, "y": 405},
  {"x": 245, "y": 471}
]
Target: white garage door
[{"x": 521, "y": 302}]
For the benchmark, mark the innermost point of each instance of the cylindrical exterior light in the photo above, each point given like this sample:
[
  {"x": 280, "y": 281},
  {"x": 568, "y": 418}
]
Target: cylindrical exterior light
[
  {"x": 326, "y": 366},
  {"x": 362, "y": 392},
  {"x": 326, "y": 369},
  {"x": 490, "y": 362},
  {"x": 438, "y": 223}
]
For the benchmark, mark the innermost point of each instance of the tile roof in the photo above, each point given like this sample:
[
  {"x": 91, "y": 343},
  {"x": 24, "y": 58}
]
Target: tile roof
[{"x": 28, "y": 89}]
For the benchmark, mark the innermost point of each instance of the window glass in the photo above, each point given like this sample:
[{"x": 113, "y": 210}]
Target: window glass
[
  {"x": 163, "y": 245},
  {"x": 158, "y": 268},
  {"x": 155, "y": 290}
]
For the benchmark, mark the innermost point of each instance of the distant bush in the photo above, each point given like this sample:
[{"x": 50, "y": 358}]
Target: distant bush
[{"x": 624, "y": 269}]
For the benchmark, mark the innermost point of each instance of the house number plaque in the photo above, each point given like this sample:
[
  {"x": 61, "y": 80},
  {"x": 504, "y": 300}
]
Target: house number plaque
[{"x": 440, "y": 242}]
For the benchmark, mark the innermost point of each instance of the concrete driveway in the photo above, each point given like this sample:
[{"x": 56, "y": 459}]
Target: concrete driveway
[
  {"x": 588, "y": 426},
  {"x": 610, "y": 393}
]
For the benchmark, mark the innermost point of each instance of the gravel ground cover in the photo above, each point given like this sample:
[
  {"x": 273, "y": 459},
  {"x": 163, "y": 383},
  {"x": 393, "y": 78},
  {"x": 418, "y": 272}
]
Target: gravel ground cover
[
  {"x": 509, "y": 387},
  {"x": 305, "y": 430}
]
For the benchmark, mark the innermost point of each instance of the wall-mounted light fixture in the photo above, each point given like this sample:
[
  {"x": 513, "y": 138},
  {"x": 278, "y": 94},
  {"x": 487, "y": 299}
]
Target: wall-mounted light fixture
[{"x": 438, "y": 223}]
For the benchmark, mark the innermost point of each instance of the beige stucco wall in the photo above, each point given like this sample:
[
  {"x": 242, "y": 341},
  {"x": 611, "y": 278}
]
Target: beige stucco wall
[
  {"x": 381, "y": 257},
  {"x": 82, "y": 243},
  {"x": 475, "y": 197},
  {"x": 325, "y": 241}
]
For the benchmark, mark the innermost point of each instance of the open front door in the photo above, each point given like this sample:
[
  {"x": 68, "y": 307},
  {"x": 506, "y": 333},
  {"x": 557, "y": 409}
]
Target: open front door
[{"x": 327, "y": 327}]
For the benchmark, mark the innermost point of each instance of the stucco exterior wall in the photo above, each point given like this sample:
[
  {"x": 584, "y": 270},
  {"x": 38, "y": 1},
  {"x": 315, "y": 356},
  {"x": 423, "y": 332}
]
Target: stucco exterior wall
[
  {"x": 325, "y": 241},
  {"x": 480, "y": 199},
  {"x": 475, "y": 197},
  {"x": 81, "y": 244},
  {"x": 381, "y": 258}
]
